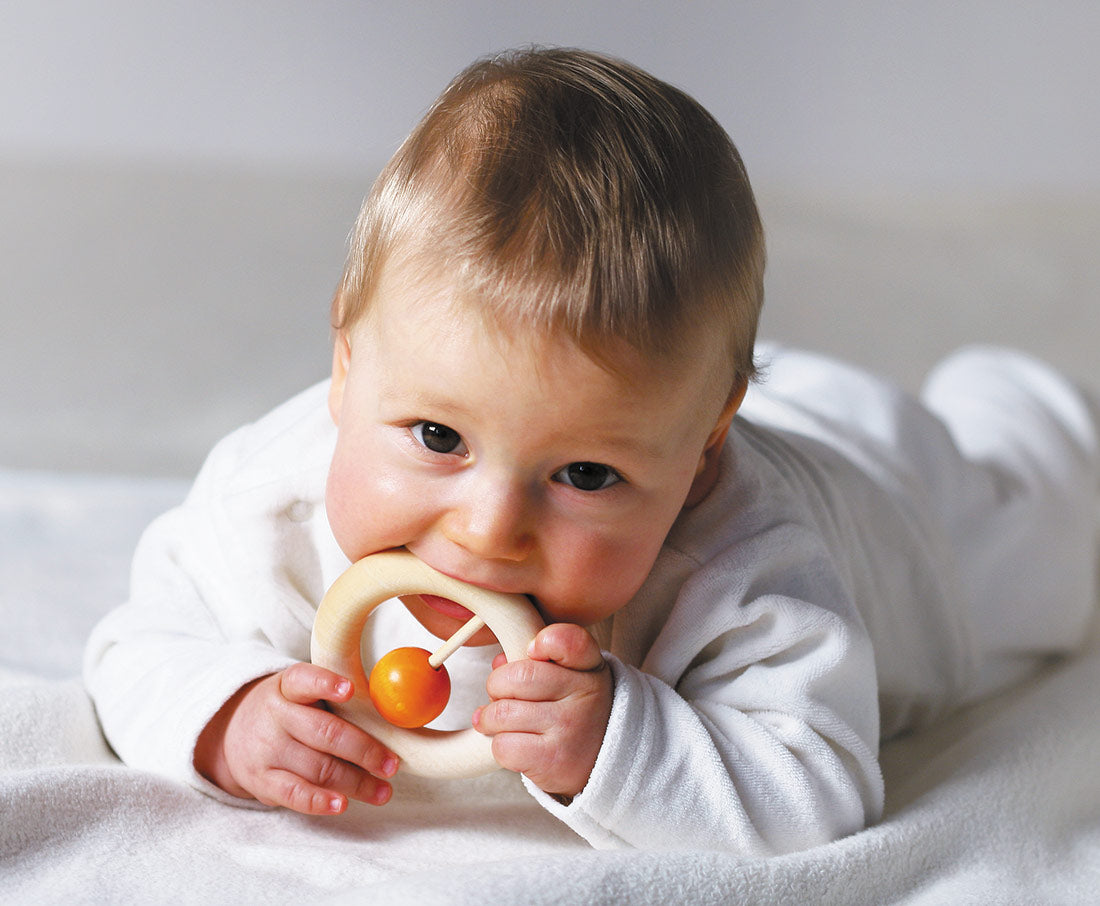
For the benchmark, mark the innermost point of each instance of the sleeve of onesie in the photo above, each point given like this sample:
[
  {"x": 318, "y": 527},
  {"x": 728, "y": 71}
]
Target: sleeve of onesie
[
  {"x": 161, "y": 665},
  {"x": 752, "y": 727}
]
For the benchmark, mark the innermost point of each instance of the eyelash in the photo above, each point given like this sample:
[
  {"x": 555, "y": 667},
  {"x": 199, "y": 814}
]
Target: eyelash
[{"x": 425, "y": 431}]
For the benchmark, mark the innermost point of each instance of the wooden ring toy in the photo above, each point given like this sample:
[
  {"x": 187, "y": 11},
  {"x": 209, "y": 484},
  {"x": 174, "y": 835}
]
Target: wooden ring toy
[{"x": 335, "y": 645}]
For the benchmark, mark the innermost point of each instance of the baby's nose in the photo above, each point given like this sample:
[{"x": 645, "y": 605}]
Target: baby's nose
[{"x": 492, "y": 526}]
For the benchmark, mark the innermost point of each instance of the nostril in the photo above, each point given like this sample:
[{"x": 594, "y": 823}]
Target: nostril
[{"x": 490, "y": 540}]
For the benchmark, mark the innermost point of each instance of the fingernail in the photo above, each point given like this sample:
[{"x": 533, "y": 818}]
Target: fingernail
[
  {"x": 389, "y": 766},
  {"x": 382, "y": 794},
  {"x": 336, "y": 805},
  {"x": 476, "y": 719},
  {"x": 343, "y": 687}
]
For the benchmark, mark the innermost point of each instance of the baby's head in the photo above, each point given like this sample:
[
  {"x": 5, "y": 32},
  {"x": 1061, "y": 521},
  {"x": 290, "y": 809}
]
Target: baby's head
[
  {"x": 544, "y": 328},
  {"x": 573, "y": 195}
]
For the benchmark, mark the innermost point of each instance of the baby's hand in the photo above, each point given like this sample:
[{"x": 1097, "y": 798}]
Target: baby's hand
[
  {"x": 273, "y": 741},
  {"x": 548, "y": 713}
]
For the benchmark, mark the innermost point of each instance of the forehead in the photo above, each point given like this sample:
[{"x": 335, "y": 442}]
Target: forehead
[
  {"x": 432, "y": 343},
  {"x": 545, "y": 317}
]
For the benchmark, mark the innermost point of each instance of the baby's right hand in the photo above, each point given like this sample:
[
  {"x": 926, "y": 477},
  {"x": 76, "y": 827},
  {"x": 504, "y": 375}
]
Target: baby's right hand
[{"x": 274, "y": 741}]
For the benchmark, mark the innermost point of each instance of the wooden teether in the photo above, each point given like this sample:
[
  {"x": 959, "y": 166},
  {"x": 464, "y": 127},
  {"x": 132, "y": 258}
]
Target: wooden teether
[{"x": 338, "y": 629}]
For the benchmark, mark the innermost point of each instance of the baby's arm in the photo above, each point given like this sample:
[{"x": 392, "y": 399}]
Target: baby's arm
[
  {"x": 750, "y": 727},
  {"x": 273, "y": 741},
  {"x": 223, "y": 590},
  {"x": 548, "y": 713}
]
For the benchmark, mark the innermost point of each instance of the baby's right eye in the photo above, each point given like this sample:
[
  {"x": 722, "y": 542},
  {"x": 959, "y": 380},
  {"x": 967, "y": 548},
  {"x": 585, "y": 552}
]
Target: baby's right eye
[{"x": 439, "y": 438}]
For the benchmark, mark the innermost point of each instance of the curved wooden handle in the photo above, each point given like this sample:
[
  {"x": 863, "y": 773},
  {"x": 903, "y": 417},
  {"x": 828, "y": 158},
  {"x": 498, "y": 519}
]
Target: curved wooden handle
[{"x": 337, "y": 634}]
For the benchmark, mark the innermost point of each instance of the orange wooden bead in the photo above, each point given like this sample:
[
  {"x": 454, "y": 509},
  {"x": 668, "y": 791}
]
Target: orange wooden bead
[{"x": 406, "y": 690}]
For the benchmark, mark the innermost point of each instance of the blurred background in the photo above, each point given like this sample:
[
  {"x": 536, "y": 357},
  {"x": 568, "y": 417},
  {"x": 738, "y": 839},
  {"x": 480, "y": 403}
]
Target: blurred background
[{"x": 178, "y": 180}]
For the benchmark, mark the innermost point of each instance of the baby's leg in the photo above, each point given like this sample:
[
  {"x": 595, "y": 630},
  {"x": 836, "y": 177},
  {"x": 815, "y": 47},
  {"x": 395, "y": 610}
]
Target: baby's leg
[{"x": 1028, "y": 541}]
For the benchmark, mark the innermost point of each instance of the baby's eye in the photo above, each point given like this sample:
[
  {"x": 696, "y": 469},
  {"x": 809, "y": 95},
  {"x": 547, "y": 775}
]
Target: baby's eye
[
  {"x": 587, "y": 476},
  {"x": 439, "y": 438}
]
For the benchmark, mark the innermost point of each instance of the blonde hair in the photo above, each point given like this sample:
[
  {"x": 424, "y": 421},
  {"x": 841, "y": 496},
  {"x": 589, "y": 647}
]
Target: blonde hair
[{"x": 576, "y": 194}]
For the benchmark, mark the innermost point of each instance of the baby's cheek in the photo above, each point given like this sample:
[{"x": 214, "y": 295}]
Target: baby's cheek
[
  {"x": 599, "y": 579},
  {"x": 339, "y": 518},
  {"x": 350, "y": 511},
  {"x": 371, "y": 510}
]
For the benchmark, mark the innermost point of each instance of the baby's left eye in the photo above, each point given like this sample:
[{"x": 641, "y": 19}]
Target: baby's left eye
[{"x": 587, "y": 476}]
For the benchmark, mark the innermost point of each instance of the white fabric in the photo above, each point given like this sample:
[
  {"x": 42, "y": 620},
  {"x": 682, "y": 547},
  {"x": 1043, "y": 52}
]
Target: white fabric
[
  {"x": 999, "y": 803},
  {"x": 745, "y": 716}
]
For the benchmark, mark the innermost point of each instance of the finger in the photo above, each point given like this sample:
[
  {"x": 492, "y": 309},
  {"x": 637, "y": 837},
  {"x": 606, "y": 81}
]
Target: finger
[
  {"x": 522, "y": 752},
  {"x": 566, "y": 644},
  {"x": 511, "y": 715},
  {"x": 536, "y": 681},
  {"x": 290, "y": 790},
  {"x": 329, "y": 734},
  {"x": 335, "y": 776},
  {"x": 305, "y": 684}
]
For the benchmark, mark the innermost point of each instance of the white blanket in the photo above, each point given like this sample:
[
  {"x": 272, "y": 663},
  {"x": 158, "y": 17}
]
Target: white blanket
[{"x": 1000, "y": 804}]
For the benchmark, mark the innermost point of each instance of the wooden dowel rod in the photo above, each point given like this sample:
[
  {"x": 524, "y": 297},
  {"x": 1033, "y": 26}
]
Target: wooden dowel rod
[{"x": 455, "y": 642}]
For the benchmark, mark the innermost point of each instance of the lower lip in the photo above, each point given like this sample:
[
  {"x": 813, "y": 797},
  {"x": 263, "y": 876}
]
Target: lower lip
[{"x": 447, "y": 607}]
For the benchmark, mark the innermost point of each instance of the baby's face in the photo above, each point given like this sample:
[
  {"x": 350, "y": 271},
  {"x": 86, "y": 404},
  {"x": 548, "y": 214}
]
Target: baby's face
[{"x": 519, "y": 467}]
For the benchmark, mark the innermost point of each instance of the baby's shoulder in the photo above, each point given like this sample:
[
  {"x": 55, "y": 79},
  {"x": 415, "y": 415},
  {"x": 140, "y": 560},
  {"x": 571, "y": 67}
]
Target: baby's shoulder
[{"x": 296, "y": 436}]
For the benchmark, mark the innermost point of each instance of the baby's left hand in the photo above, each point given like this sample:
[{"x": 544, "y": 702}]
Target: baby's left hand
[{"x": 548, "y": 713}]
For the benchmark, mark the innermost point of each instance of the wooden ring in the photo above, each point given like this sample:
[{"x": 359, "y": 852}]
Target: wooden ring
[{"x": 335, "y": 645}]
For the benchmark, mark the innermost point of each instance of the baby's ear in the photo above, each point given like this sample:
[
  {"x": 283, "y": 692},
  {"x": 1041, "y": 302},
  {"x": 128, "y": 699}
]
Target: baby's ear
[
  {"x": 725, "y": 418},
  {"x": 706, "y": 473},
  {"x": 341, "y": 362}
]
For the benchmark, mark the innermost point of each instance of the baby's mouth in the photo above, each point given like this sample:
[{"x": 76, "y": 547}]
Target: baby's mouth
[{"x": 447, "y": 607}]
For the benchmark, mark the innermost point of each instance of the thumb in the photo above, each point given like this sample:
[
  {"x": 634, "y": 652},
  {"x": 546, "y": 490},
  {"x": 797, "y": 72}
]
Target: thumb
[{"x": 567, "y": 645}]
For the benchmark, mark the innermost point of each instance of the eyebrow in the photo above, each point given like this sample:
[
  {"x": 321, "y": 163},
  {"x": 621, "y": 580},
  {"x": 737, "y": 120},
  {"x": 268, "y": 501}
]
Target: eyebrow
[
  {"x": 634, "y": 445},
  {"x": 418, "y": 400}
]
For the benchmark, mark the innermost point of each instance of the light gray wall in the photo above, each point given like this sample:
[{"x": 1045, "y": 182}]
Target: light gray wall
[
  {"x": 178, "y": 179},
  {"x": 844, "y": 93}
]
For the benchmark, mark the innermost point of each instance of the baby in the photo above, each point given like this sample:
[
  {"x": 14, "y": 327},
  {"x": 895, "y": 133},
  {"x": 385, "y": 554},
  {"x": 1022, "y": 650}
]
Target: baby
[{"x": 544, "y": 346}]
